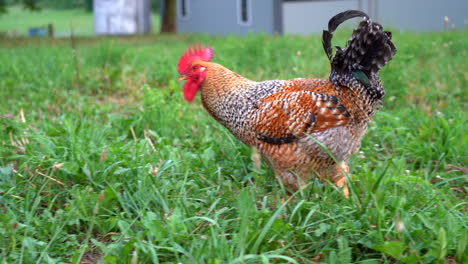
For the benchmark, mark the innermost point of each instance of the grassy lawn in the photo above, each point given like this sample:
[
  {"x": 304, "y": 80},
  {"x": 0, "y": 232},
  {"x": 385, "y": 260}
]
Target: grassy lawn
[
  {"x": 102, "y": 160},
  {"x": 19, "y": 20}
]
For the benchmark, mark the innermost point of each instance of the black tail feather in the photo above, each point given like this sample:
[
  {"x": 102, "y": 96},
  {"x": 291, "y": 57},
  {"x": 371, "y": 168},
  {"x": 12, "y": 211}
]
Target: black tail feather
[
  {"x": 368, "y": 50},
  {"x": 333, "y": 25}
]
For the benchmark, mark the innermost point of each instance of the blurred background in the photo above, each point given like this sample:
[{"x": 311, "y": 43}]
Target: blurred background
[{"x": 59, "y": 18}]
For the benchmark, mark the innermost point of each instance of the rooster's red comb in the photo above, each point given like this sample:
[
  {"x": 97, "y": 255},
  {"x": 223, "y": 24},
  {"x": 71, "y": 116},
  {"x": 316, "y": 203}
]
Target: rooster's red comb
[{"x": 195, "y": 53}]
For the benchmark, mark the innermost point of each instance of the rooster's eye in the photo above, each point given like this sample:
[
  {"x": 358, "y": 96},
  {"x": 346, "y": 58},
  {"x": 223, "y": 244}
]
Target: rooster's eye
[{"x": 195, "y": 67}]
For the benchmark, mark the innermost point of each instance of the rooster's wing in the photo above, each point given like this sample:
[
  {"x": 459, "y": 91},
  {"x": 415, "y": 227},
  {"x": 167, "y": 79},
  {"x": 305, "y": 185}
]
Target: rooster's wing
[{"x": 287, "y": 116}]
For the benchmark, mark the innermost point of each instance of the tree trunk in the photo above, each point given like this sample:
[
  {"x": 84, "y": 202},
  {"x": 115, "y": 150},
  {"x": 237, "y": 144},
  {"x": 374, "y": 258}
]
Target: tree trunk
[{"x": 168, "y": 15}]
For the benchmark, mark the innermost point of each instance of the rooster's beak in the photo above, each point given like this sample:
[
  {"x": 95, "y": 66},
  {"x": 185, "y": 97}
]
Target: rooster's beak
[{"x": 182, "y": 78}]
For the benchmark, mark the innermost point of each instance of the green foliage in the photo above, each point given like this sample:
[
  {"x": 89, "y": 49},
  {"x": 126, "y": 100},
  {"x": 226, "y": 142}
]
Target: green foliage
[
  {"x": 118, "y": 168},
  {"x": 61, "y": 4},
  {"x": 69, "y": 4},
  {"x": 27, "y": 4},
  {"x": 155, "y": 5},
  {"x": 17, "y": 21}
]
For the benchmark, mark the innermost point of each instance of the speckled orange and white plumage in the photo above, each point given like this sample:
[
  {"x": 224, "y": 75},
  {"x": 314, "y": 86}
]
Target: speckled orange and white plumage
[
  {"x": 291, "y": 121},
  {"x": 279, "y": 117}
]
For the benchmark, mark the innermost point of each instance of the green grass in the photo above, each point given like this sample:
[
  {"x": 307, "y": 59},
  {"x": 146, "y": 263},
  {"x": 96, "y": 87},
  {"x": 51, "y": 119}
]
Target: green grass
[
  {"x": 17, "y": 21},
  {"x": 112, "y": 165}
]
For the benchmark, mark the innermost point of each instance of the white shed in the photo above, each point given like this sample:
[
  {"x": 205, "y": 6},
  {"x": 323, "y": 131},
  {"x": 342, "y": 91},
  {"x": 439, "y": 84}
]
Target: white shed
[{"x": 122, "y": 17}]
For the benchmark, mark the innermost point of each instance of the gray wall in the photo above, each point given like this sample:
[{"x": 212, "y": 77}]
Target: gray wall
[
  {"x": 220, "y": 17},
  {"x": 420, "y": 15},
  {"x": 305, "y": 17}
]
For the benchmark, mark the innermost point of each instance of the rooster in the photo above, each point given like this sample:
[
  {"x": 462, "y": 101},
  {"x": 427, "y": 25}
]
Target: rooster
[{"x": 304, "y": 127}]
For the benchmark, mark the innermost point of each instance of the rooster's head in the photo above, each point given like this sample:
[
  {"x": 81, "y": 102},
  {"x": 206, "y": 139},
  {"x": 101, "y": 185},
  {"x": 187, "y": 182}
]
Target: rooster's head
[{"x": 191, "y": 70}]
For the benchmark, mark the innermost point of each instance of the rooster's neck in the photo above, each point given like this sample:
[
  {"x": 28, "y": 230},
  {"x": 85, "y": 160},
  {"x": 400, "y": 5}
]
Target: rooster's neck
[
  {"x": 220, "y": 79},
  {"x": 221, "y": 82},
  {"x": 221, "y": 88}
]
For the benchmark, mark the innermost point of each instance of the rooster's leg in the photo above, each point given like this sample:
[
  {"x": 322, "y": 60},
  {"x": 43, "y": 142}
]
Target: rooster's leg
[
  {"x": 290, "y": 179},
  {"x": 336, "y": 174},
  {"x": 340, "y": 177}
]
